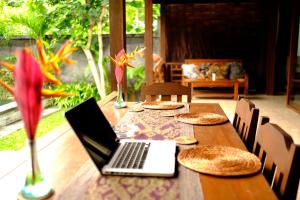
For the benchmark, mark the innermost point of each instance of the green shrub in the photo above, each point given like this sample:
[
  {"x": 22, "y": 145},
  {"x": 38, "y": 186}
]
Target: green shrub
[
  {"x": 82, "y": 91},
  {"x": 135, "y": 77},
  {"x": 7, "y": 77}
]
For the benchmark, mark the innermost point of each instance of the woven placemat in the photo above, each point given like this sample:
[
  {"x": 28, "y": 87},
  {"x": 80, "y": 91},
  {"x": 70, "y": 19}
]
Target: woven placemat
[
  {"x": 185, "y": 140},
  {"x": 202, "y": 118},
  {"x": 136, "y": 108},
  {"x": 219, "y": 160},
  {"x": 162, "y": 105}
]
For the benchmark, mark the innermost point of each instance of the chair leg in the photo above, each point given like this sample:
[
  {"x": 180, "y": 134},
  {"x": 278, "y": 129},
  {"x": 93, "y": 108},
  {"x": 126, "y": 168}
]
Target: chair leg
[{"x": 236, "y": 90}]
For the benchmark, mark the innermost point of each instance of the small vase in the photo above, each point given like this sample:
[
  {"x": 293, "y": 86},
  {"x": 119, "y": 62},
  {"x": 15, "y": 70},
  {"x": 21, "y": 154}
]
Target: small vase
[
  {"x": 36, "y": 187},
  {"x": 119, "y": 103}
]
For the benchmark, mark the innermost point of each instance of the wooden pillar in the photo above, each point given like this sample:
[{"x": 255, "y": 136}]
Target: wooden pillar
[
  {"x": 117, "y": 37},
  {"x": 163, "y": 41},
  {"x": 292, "y": 58},
  {"x": 272, "y": 35},
  {"x": 148, "y": 42}
]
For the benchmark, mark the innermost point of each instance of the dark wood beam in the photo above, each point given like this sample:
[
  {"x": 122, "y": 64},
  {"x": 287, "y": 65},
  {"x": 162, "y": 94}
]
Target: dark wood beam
[
  {"x": 163, "y": 40},
  {"x": 272, "y": 33},
  {"x": 201, "y": 1},
  {"x": 117, "y": 37},
  {"x": 292, "y": 57},
  {"x": 148, "y": 42}
]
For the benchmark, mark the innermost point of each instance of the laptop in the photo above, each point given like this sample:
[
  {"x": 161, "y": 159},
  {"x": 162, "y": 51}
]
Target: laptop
[{"x": 119, "y": 157}]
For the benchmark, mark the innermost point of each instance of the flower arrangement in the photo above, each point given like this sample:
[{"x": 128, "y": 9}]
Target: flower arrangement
[
  {"x": 121, "y": 60},
  {"x": 29, "y": 78}
]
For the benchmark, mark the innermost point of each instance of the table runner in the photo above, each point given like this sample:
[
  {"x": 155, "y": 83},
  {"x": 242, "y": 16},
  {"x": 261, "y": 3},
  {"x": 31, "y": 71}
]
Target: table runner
[{"x": 150, "y": 124}]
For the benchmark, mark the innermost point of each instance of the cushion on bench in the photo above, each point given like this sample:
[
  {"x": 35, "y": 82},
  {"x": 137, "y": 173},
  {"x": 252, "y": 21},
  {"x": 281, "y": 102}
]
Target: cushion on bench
[{"x": 223, "y": 70}]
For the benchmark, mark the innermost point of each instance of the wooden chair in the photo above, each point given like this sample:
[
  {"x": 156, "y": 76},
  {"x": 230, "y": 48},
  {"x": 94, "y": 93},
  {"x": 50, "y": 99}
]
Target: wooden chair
[
  {"x": 165, "y": 90},
  {"x": 245, "y": 121},
  {"x": 280, "y": 159}
]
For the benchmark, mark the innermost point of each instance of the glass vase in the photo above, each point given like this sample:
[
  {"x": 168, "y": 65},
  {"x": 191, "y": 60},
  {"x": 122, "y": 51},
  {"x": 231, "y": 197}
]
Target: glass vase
[
  {"x": 119, "y": 103},
  {"x": 36, "y": 187}
]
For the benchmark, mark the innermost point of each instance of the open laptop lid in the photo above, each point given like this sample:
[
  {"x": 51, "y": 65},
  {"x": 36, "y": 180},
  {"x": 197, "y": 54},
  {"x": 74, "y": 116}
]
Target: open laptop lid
[{"x": 93, "y": 130}]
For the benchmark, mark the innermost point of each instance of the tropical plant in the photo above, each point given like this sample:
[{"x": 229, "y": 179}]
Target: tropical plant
[
  {"x": 136, "y": 77},
  {"x": 83, "y": 90},
  {"x": 34, "y": 18},
  {"x": 135, "y": 16},
  {"x": 84, "y": 21},
  {"x": 80, "y": 20},
  {"x": 7, "y": 77}
]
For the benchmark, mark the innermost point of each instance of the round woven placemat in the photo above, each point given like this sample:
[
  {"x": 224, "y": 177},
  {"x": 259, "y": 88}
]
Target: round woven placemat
[
  {"x": 162, "y": 105},
  {"x": 185, "y": 140},
  {"x": 219, "y": 160},
  {"x": 202, "y": 118},
  {"x": 138, "y": 108}
]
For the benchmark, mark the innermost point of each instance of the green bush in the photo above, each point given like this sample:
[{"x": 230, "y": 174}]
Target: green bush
[
  {"x": 81, "y": 91},
  {"x": 135, "y": 77},
  {"x": 7, "y": 77}
]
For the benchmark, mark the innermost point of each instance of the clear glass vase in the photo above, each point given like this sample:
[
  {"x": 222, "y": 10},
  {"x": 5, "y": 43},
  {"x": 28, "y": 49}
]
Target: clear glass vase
[
  {"x": 119, "y": 103},
  {"x": 36, "y": 187}
]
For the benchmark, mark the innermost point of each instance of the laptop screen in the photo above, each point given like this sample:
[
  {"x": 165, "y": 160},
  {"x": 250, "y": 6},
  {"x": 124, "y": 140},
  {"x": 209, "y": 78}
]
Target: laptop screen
[{"x": 93, "y": 130}]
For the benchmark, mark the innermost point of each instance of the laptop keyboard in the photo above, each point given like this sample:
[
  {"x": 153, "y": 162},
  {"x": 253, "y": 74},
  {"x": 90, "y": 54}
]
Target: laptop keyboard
[{"x": 132, "y": 155}]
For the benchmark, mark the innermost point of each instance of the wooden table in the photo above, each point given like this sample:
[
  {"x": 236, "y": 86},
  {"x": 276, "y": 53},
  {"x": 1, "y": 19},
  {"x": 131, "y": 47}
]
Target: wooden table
[
  {"x": 62, "y": 157},
  {"x": 233, "y": 85}
]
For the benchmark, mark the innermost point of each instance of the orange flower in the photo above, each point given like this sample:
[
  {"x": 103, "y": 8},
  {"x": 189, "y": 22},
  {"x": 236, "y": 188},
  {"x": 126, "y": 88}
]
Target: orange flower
[
  {"x": 48, "y": 66},
  {"x": 50, "y": 63}
]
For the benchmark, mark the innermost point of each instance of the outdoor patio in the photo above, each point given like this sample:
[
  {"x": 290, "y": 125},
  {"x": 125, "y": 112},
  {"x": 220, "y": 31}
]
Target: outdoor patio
[{"x": 217, "y": 51}]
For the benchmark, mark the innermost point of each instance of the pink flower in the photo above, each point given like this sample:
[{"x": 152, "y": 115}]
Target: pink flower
[
  {"x": 121, "y": 61},
  {"x": 28, "y": 87},
  {"x": 119, "y": 71},
  {"x": 120, "y": 65}
]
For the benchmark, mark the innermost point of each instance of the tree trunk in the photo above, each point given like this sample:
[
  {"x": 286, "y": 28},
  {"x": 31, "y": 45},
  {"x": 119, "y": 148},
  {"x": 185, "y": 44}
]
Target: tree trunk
[
  {"x": 100, "y": 59},
  {"x": 94, "y": 71},
  {"x": 91, "y": 61}
]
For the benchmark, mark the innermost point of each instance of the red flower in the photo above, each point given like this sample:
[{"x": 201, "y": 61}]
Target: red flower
[{"x": 28, "y": 86}]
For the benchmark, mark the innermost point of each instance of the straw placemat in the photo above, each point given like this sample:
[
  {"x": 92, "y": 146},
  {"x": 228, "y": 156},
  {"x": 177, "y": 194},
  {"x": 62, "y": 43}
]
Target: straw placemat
[
  {"x": 136, "y": 108},
  {"x": 202, "y": 118},
  {"x": 219, "y": 160},
  {"x": 185, "y": 140},
  {"x": 162, "y": 105}
]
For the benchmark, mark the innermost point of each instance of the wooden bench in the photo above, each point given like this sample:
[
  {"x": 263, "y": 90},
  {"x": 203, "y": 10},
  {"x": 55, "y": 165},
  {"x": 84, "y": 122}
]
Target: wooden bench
[{"x": 235, "y": 84}]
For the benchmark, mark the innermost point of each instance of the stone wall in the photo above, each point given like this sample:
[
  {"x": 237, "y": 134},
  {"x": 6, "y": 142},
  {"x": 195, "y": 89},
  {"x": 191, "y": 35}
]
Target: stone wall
[{"x": 80, "y": 70}]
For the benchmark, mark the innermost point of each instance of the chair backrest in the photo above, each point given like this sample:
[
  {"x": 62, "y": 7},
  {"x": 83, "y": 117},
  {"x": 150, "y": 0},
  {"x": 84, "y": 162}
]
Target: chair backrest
[
  {"x": 280, "y": 159},
  {"x": 166, "y": 91},
  {"x": 245, "y": 121}
]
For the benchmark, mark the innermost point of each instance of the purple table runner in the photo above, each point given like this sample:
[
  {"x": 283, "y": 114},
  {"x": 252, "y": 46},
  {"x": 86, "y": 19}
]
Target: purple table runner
[{"x": 148, "y": 124}]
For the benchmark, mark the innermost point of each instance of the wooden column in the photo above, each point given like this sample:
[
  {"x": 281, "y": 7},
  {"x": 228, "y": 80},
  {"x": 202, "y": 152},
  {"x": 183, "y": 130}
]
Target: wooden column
[
  {"x": 117, "y": 37},
  {"x": 292, "y": 58},
  {"x": 163, "y": 41},
  {"x": 148, "y": 42},
  {"x": 272, "y": 35}
]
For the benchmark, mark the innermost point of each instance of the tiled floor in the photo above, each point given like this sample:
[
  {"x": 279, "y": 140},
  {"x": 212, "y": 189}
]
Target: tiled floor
[{"x": 271, "y": 106}]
